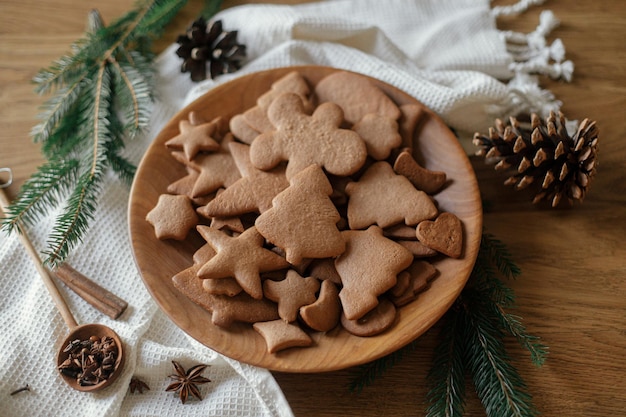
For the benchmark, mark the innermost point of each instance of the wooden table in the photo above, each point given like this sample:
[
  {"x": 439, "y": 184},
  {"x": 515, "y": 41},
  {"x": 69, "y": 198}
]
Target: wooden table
[{"x": 572, "y": 291}]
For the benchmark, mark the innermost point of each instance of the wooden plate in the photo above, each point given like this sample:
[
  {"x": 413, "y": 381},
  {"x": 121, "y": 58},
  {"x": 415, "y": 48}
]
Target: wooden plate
[{"x": 435, "y": 147}]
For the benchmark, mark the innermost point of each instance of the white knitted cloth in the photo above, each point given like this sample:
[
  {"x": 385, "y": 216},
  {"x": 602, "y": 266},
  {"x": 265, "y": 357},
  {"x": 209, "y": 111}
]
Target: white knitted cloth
[{"x": 446, "y": 53}]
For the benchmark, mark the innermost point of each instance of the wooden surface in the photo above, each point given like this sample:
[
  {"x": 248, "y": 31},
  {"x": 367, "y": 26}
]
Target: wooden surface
[
  {"x": 572, "y": 291},
  {"x": 159, "y": 260}
]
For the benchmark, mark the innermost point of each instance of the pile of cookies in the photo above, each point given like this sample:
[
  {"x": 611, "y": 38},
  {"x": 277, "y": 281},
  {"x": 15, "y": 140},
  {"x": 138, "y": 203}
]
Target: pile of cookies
[{"x": 314, "y": 211}]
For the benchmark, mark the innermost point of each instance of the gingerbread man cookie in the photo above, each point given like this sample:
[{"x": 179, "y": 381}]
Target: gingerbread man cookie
[{"x": 303, "y": 140}]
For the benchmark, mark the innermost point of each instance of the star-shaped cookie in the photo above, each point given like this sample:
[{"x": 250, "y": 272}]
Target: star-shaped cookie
[
  {"x": 242, "y": 257},
  {"x": 172, "y": 217},
  {"x": 216, "y": 169},
  {"x": 193, "y": 139},
  {"x": 253, "y": 192}
]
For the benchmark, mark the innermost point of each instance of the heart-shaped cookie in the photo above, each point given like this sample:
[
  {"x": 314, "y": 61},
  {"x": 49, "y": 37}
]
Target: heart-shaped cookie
[{"x": 444, "y": 234}]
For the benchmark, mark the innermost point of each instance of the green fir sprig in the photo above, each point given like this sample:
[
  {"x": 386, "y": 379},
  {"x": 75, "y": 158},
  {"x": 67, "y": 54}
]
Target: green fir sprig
[
  {"x": 101, "y": 96},
  {"x": 472, "y": 342}
]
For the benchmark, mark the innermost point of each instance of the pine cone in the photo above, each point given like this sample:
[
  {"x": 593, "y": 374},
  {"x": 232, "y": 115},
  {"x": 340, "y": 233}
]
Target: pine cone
[
  {"x": 544, "y": 152},
  {"x": 215, "y": 46}
]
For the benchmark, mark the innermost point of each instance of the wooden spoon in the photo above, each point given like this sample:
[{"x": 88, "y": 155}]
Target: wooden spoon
[{"x": 77, "y": 332}]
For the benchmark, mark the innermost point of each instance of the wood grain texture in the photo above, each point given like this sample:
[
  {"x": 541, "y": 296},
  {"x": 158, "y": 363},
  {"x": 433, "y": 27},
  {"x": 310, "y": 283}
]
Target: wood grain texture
[
  {"x": 572, "y": 291},
  {"x": 159, "y": 260}
]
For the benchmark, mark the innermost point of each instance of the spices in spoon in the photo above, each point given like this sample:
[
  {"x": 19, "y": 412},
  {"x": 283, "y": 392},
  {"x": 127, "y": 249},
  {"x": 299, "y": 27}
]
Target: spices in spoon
[{"x": 90, "y": 361}]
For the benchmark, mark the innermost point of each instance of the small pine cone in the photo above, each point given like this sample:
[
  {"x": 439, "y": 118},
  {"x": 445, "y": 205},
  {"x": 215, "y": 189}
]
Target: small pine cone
[
  {"x": 219, "y": 48},
  {"x": 544, "y": 154}
]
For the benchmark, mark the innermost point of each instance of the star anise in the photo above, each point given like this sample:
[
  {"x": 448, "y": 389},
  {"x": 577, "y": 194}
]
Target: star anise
[
  {"x": 186, "y": 382},
  {"x": 138, "y": 385}
]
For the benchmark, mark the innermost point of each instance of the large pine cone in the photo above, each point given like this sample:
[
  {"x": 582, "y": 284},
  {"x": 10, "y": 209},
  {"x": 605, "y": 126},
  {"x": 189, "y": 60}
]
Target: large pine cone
[{"x": 543, "y": 152}]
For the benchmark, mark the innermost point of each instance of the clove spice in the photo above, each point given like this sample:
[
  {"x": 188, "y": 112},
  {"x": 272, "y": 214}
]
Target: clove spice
[
  {"x": 90, "y": 361},
  {"x": 22, "y": 389}
]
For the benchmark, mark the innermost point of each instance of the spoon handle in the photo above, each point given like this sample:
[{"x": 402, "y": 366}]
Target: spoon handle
[{"x": 57, "y": 297}]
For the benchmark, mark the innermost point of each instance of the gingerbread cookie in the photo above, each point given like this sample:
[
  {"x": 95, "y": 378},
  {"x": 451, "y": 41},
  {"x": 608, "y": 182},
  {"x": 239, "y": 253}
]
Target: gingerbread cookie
[
  {"x": 420, "y": 273},
  {"x": 368, "y": 267},
  {"x": 423, "y": 179},
  {"x": 280, "y": 335},
  {"x": 195, "y": 138},
  {"x": 324, "y": 269},
  {"x": 242, "y": 257},
  {"x": 216, "y": 169},
  {"x": 379, "y": 319},
  {"x": 356, "y": 95},
  {"x": 225, "y": 286},
  {"x": 184, "y": 185},
  {"x": 253, "y": 192},
  {"x": 293, "y": 82},
  {"x": 417, "y": 248},
  {"x": 402, "y": 284},
  {"x": 224, "y": 310},
  {"x": 411, "y": 115},
  {"x": 324, "y": 314},
  {"x": 303, "y": 140},
  {"x": 173, "y": 217},
  {"x": 302, "y": 220},
  {"x": 257, "y": 119},
  {"x": 384, "y": 198},
  {"x": 400, "y": 232},
  {"x": 445, "y": 234},
  {"x": 240, "y": 128},
  {"x": 380, "y": 134},
  {"x": 291, "y": 293}
]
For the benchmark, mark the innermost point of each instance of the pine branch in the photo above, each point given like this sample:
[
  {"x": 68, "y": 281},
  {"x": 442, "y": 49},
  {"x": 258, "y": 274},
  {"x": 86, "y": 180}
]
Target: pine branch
[
  {"x": 55, "y": 109},
  {"x": 499, "y": 386},
  {"x": 134, "y": 96},
  {"x": 447, "y": 373},
  {"x": 498, "y": 253},
  {"x": 365, "y": 375},
  {"x": 45, "y": 188},
  {"x": 512, "y": 324},
  {"x": 101, "y": 95}
]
